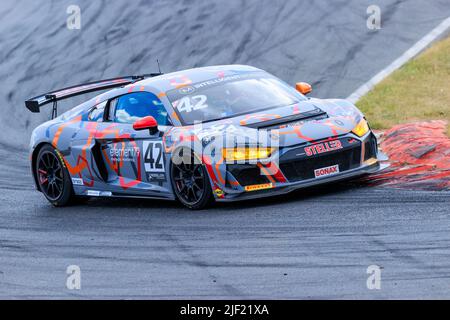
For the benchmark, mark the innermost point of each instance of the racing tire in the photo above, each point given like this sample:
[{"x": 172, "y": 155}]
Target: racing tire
[
  {"x": 52, "y": 177},
  {"x": 191, "y": 184}
]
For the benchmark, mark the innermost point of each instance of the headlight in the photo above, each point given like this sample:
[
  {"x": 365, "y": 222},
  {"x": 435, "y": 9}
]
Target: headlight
[
  {"x": 246, "y": 153},
  {"x": 361, "y": 128}
]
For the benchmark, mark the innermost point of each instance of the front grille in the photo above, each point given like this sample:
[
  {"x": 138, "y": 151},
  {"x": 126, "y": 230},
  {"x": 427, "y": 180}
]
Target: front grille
[
  {"x": 247, "y": 175},
  {"x": 303, "y": 169}
]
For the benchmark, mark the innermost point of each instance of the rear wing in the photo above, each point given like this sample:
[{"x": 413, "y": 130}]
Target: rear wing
[{"x": 34, "y": 104}]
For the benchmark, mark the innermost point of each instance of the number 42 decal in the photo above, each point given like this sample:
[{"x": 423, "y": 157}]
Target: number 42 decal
[
  {"x": 188, "y": 104},
  {"x": 153, "y": 156}
]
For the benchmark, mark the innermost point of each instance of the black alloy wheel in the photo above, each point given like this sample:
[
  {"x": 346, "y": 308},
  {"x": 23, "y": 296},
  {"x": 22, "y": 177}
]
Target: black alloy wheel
[
  {"x": 52, "y": 177},
  {"x": 191, "y": 183}
]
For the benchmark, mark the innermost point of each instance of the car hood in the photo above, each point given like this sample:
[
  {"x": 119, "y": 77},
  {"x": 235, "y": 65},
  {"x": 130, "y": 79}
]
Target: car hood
[{"x": 306, "y": 121}]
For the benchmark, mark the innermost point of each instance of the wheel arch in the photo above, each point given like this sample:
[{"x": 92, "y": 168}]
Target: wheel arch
[
  {"x": 208, "y": 182},
  {"x": 172, "y": 153},
  {"x": 198, "y": 155},
  {"x": 34, "y": 155}
]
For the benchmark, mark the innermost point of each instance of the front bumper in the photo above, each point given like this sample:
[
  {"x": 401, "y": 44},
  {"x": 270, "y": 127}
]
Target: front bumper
[
  {"x": 289, "y": 187},
  {"x": 360, "y": 162}
]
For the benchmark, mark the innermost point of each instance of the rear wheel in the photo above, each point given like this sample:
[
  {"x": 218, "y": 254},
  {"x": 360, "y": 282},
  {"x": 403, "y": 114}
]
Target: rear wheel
[
  {"x": 53, "y": 178},
  {"x": 191, "y": 183}
]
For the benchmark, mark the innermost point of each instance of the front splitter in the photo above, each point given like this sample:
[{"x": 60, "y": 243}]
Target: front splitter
[{"x": 378, "y": 166}]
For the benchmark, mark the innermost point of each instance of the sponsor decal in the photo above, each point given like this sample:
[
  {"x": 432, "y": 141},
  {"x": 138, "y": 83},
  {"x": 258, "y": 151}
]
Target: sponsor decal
[
  {"x": 77, "y": 181},
  {"x": 61, "y": 158},
  {"x": 323, "y": 147},
  {"x": 184, "y": 86},
  {"x": 124, "y": 154},
  {"x": 156, "y": 177},
  {"x": 370, "y": 161},
  {"x": 93, "y": 193},
  {"x": 219, "y": 193},
  {"x": 293, "y": 124},
  {"x": 219, "y": 80},
  {"x": 326, "y": 171},
  {"x": 256, "y": 187},
  {"x": 96, "y": 193}
]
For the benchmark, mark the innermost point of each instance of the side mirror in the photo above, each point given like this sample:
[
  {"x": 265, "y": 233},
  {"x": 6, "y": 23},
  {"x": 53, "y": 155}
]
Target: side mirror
[
  {"x": 146, "y": 123},
  {"x": 303, "y": 87}
]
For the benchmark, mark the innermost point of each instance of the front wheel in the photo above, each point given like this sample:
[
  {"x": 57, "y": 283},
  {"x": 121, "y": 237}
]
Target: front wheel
[
  {"x": 191, "y": 183},
  {"x": 53, "y": 178}
]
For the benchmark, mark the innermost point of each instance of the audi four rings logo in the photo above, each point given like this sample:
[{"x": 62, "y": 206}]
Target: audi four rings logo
[{"x": 187, "y": 90}]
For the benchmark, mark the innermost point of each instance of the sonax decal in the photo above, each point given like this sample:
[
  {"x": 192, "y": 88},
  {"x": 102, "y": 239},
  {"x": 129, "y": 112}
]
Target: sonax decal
[{"x": 327, "y": 171}]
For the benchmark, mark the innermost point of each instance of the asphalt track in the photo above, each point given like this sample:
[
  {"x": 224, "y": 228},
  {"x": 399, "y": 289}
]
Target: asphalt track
[{"x": 310, "y": 244}]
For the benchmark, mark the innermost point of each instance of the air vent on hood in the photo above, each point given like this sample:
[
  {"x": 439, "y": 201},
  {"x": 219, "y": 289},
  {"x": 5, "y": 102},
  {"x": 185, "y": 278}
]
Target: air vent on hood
[{"x": 293, "y": 120}]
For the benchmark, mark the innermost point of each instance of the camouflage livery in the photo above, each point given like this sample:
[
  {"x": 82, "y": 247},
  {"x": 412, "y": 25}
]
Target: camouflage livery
[{"x": 315, "y": 144}]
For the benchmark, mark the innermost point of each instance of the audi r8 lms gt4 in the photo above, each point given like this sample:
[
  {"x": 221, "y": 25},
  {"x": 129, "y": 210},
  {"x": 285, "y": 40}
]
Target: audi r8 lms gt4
[{"x": 220, "y": 133}]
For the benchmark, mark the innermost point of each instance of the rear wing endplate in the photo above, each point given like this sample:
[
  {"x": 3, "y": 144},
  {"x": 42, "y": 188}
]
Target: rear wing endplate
[{"x": 34, "y": 104}]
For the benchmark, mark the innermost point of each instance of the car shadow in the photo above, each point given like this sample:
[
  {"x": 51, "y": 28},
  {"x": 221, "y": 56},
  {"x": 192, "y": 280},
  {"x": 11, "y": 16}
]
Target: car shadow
[
  {"x": 299, "y": 195},
  {"x": 171, "y": 206}
]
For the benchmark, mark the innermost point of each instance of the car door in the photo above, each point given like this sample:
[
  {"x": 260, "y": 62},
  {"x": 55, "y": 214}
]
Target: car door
[{"x": 134, "y": 161}]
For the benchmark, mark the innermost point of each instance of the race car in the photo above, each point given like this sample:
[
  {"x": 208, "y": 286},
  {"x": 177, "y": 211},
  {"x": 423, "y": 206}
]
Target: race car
[{"x": 218, "y": 133}]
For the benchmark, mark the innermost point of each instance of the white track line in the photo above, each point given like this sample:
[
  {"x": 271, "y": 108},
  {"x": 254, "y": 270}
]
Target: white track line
[{"x": 405, "y": 57}]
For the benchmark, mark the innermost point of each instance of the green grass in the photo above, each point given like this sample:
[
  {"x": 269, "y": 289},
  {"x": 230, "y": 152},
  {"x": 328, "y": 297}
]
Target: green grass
[{"x": 420, "y": 90}]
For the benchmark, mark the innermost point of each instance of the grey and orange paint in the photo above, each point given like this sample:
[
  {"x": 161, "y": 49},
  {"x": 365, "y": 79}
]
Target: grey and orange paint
[{"x": 74, "y": 136}]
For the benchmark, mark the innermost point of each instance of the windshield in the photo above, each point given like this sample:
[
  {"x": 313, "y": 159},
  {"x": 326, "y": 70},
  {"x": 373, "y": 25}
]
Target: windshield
[{"x": 231, "y": 96}]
